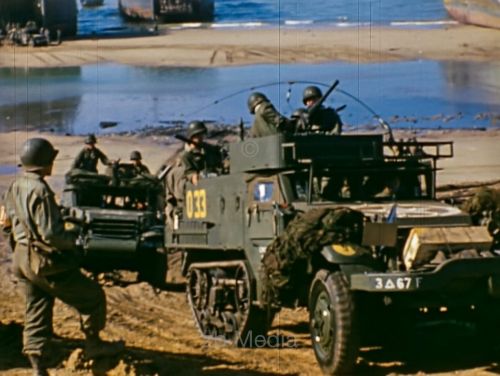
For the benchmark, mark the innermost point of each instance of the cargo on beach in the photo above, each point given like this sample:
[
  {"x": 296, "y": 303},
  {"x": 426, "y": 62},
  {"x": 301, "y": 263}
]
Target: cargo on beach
[
  {"x": 54, "y": 15},
  {"x": 168, "y": 10},
  {"x": 476, "y": 12}
]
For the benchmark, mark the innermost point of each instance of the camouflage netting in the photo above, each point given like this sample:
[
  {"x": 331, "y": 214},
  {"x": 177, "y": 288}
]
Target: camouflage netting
[
  {"x": 122, "y": 176},
  {"x": 484, "y": 209},
  {"x": 287, "y": 257}
]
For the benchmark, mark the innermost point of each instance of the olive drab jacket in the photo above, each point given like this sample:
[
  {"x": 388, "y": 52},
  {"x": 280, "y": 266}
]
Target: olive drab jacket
[
  {"x": 87, "y": 159},
  {"x": 326, "y": 119},
  {"x": 140, "y": 169},
  {"x": 35, "y": 217},
  {"x": 202, "y": 159},
  {"x": 267, "y": 121}
]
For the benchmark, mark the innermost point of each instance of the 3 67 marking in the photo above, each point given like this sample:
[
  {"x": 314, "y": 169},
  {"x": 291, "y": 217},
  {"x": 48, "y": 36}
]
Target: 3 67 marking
[{"x": 396, "y": 283}]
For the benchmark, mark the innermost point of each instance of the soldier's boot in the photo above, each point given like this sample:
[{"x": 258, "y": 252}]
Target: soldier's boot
[
  {"x": 95, "y": 347},
  {"x": 37, "y": 364}
]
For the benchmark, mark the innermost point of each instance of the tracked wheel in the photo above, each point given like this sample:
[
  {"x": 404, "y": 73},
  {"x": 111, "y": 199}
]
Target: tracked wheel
[{"x": 221, "y": 297}]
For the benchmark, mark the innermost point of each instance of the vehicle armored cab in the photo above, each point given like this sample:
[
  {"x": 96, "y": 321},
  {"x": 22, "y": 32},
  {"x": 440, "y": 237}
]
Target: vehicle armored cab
[
  {"x": 347, "y": 226},
  {"x": 121, "y": 214}
]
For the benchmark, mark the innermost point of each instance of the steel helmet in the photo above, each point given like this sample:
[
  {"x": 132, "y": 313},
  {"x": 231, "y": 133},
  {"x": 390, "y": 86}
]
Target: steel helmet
[
  {"x": 37, "y": 153},
  {"x": 90, "y": 139},
  {"x": 135, "y": 156},
  {"x": 196, "y": 128},
  {"x": 311, "y": 92},
  {"x": 254, "y": 100}
]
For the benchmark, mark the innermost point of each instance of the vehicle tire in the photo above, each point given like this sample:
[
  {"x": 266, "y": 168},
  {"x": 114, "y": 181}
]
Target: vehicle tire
[
  {"x": 153, "y": 269},
  {"x": 333, "y": 324}
]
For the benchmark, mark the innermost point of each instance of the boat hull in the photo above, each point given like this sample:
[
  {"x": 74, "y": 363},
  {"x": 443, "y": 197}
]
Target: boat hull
[
  {"x": 168, "y": 10},
  {"x": 475, "y": 12}
]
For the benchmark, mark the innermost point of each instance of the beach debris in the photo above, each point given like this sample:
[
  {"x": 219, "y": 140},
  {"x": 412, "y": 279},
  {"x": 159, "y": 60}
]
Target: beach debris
[{"x": 107, "y": 124}]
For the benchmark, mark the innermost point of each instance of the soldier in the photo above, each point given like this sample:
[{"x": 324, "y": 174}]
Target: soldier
[
  {"x": 323, "y": 119},
  {"x": 45, "y": 260},
  {"x": 199, "y": 157},
  {"x": 89, "y": 156},
  {"x": 267, "y": 119},
  {"x": 139, "y": 167}
]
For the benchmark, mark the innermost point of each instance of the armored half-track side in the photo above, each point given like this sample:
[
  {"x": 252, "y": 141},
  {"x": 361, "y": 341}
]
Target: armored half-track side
[
  {"x": 122, "y": 221},
  {"x": 347, "y": 226}
]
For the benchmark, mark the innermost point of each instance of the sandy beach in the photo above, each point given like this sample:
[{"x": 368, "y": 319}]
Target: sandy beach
[
  {"x": 157, "y": 325},
  {"x": 208, "y": 47}
]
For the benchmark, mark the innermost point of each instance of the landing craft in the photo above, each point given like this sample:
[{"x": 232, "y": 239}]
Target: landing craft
[
  {"x": 168, "y": 10},
  {"x": 476, "y": 12},
  {"x": 91, "y": 3},
  {"x": 53, "y": 15}
]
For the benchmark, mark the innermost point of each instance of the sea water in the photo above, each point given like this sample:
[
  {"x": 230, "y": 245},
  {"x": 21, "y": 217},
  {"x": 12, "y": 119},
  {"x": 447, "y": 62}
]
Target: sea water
[
  {"x": 415, "y": 94},
  {"x": 105, "y": 20}
]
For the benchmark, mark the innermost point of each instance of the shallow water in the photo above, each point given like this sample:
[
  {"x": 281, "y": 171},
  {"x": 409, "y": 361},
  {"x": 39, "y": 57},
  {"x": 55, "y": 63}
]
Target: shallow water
[{"x": 408, "y": 94}]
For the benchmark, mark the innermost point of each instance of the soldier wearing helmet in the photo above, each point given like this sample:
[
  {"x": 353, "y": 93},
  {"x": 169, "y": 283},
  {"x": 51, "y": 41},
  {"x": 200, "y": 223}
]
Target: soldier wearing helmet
[
  {"x": 198, "y": 158},
  {"x": 322, "y": 119},
  {"x": 198, "y": 155},
  {"x": 139, "y": 167},
  {"x": 45, "y": 260},
  {"x": 267, "y": 120},
  {"x": 89, "y": 156}
]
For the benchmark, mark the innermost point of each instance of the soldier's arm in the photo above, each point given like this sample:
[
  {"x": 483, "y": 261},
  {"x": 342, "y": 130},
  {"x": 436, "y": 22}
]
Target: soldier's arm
[
  {"x": 272, "y": 116},
  {"x": 103, "y": 158},
  {"x": 337, "y": 123},
  {"x": 50, "y": 224},
  {"x": 78, "y": 160}
]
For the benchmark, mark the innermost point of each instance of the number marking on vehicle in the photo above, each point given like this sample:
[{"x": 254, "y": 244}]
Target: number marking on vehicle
[
  {"x": 396, "y": 283},
  {"x": 196, "y": 204}
]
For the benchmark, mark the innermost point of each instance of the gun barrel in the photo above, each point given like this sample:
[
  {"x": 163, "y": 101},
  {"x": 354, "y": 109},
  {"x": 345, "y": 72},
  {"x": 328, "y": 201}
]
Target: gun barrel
[{"x": 318, "y": 104}]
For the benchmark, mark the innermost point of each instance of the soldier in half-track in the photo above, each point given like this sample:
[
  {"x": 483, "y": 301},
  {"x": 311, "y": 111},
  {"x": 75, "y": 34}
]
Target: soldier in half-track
[
  {"x": 267, "y": 120},
  {"x": 89, "y": 156},
  {"x": 340, "y": 225}
]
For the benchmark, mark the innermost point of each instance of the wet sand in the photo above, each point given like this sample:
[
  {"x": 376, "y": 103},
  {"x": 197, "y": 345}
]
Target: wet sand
[{"x": 209, "y": 47}]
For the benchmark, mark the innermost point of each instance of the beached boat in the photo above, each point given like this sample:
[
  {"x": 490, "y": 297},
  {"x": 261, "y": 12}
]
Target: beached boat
[
  {"x": 476, "y": 12},
  {"x": 53, "y": 15},
  {"x": 91, "y": 3},
  {"x": 168, "y": 10}
]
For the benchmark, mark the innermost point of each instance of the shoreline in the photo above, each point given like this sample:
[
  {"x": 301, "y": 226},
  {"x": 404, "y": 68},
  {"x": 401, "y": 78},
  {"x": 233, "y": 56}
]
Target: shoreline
[{"x": 223, "y": 47}]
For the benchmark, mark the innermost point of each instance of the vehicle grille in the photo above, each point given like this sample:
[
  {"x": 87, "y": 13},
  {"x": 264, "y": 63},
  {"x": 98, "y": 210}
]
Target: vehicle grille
[{"x": 116, "y": 229}]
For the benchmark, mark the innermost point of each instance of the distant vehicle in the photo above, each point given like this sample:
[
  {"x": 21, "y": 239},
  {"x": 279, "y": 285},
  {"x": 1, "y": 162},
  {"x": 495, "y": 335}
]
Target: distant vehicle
[
  {"x": 475, "y": 12},
  {"x": 91, "y": 3},
  {"x": 57, "y": 16},
  {"x": 168, "y": 10},
  {"x": 122, "y": 220},
  {"x": 389, "y": 258}
]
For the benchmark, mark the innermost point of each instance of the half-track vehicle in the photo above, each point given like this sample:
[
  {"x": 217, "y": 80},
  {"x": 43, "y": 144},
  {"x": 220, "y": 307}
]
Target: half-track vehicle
[
  {"x": 121, "y": 215},
  {"x": 347, "y": 226}
]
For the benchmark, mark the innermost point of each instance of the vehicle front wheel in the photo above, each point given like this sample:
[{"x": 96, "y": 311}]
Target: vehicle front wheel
[{"x": 333, "y": 323}]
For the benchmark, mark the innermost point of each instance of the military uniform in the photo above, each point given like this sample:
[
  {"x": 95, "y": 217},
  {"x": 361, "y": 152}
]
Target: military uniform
[
  {"x": 204, "y": 159},
  {"x": 87, "y": 159},
  {"x": 140, "y": 170},
  {"x": 46, "y": 264},
  {"x": 267, "y": 120},
  {"x": 326, "y": 119}
]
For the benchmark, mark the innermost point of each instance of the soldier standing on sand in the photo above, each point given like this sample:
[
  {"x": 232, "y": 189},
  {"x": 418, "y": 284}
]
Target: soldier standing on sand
[
  {"x": 45, "y": 260},
  {"x": 267, "y": 119},
  {"x": 89, "y": 156},
  {"x": 139, "y": 167},
  {"x": 323, "y": 119}
]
